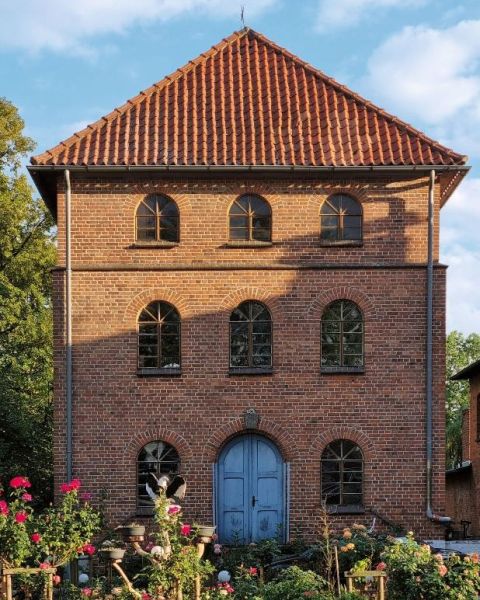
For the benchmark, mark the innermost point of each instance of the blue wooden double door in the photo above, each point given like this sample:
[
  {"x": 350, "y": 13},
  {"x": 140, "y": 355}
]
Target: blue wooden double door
[{"x": 250, "y": 491}]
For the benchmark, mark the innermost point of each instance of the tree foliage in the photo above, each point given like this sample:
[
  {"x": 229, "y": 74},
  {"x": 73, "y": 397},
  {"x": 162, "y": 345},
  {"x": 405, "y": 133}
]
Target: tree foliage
[
  {"x": 27, "y": 252},
  {"x": 461, "y": 351}
]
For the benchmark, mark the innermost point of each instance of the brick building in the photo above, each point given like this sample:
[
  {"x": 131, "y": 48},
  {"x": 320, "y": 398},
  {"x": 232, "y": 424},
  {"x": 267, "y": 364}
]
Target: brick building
[
  {"x": 463, "y": 483},
  {"x": 246, "y": 268}
]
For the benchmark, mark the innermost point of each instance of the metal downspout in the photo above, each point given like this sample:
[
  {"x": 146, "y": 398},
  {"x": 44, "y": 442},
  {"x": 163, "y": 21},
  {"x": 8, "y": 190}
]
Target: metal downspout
[
  {"x": 429, "y": 358},
  {"x": 68, "y": 324}
]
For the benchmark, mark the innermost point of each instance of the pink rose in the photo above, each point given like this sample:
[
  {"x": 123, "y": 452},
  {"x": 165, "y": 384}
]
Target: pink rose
[
  {"x": 36, "y": 538},
  {"x": 381, "y": 566},
  {"x": 21, "y": 517},
  {"x": 86, "y": 496},
  {"x": 217, "y": 548},
  {"x": 3, "y": 508},
  {"x": 442, "y": 569},
  {"x": 20, "y": 482},
  {"x": 214, "y": 537},
  {"x": 88, "y": 549},
  {"x": 56, "y": 579},
  {"x": 146, "y": 596},
  {"x": 186, "y": 529},
  {"x": 87, "y": 591},
  {"x": 44, "y": 565},
  {"x": 253, "y": 571},
  {"x": 26, "y": 497},
  {"x": 173, "y": 509}
]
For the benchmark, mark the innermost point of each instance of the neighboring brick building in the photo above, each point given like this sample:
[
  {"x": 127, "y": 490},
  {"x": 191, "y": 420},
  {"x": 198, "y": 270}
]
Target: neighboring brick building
[
  {"x": 281, "y": 222},
  {"x": 463, "y": 483}
]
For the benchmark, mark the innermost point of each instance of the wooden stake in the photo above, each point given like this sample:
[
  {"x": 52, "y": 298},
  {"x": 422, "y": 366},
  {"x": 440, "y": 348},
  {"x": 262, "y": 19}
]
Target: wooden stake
[{"x": 337, "y": 568}]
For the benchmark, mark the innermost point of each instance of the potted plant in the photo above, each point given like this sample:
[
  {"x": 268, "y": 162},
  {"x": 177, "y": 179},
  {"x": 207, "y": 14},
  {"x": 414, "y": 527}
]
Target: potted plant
[
  {"x": 132, "y": 532},
  {"x": 206, "y": 530},
  {"x": 112, "y": 550}
]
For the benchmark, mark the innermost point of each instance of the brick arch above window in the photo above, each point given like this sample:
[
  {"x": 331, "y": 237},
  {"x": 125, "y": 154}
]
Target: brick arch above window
[
  {"x": 342, "y": 432},
  {"x": 359, "y": 193},
  {"x": 152, "y": 434},
  {"x": 270, "y": 429},
  {"x": 135, "y": 196},
  {"x": 271, "y": 299},
  {"x": 318, "y": 306},
  {"x": 144, "y": 298}
]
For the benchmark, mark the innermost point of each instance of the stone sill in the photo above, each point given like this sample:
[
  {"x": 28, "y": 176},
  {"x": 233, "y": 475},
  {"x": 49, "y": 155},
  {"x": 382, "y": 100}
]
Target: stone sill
[
  {"x": 341, "y": 244},
  {"x": 137, "y": 245},
  {"x": 250, "y": 371},
  {"x": 248, "y": 244},
  {"x": 345, "y": 509},
  {"x": 159, "y": 372},
  {"x": 342, "y": 370}
]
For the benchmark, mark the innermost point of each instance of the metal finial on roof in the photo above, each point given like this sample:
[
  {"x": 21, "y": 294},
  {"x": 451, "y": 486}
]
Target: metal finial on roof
[{"x": 242, "y": 15}]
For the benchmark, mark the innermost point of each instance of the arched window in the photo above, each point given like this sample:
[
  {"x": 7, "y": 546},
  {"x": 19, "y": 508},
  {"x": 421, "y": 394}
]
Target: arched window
[
  {"x": 251, "y": 336},
  {"x": 340, "y": 219},
  {"x": 342, "y": 336},
  {"x": 157, "y": 220},
  {"x": 342, "y": 473},
  {"x": 250, "y": 219},
  {"x": 155, "y": 459},
  {"x": 159, "y": 337}
]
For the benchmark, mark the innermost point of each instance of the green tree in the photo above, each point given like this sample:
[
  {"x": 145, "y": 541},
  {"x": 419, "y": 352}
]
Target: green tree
[
  {"x": 461, "y": 351},
  {"x": 27, "y": 252}
]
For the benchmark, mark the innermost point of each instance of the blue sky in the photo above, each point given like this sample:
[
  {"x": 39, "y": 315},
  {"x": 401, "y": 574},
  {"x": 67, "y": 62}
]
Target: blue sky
[{"x": 65, "y": 64}]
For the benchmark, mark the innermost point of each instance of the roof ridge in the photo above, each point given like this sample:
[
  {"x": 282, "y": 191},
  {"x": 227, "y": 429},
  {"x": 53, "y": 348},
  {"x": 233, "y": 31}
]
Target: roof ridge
[
  {"x": 166, "y": 80},
  {"x": 354, "y": 95}
]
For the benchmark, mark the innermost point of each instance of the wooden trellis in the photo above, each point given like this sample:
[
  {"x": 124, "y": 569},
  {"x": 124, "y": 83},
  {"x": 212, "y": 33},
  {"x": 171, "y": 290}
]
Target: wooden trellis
[
  {"x": 373, "y": 583},
  {"x": 8, "y": 576}
]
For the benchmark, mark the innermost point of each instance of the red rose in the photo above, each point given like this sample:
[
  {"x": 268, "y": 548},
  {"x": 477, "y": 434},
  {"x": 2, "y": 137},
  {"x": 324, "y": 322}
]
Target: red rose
[
  {"x": 20, "y": 482},
  {"x": 253, "y": 571},
  {"x": 3, "y": 508},
  {"x": 186, "y": 529},
  {"x": 88, "y": 549},
  {"x": 36, "y": 538},
  {"x": 21, "y": 517},
  {"x": 26, "y": 497}
]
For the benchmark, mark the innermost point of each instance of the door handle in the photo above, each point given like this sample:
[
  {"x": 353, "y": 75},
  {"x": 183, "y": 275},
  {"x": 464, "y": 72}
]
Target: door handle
[{"x": 254, "y": 500}]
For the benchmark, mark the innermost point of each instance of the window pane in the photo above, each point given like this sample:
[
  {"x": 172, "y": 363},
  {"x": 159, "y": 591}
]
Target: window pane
[
  {"x": 353, "y": 222},
  {"x": 331, "y": 206},
  {"x": 352, "y": 233},
  {"x": 241, "y": 222},
  {"x": 261, "y": 235},
  {"x": 239, "y": 207},
  {"x": 330, "y": 222},
  {"x": 239, "y": 234},
  {"x": 146, "y": 222},
  {"x": 350, "y": 206},
  {"x": 261, "y": 222},
  {"x": 168, "y": 208},
  {"x": 330, "y": 235},
  {"x": 259, "y": 206}
]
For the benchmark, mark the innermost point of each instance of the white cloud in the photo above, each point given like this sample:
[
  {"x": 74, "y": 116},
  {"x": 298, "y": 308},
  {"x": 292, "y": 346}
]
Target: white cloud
[
  {"x": 66, "y": 25},
  {"x": 460, "y": 250},
  {"x": 430, "y": 74},
  {"x": 341, "y": 14}
]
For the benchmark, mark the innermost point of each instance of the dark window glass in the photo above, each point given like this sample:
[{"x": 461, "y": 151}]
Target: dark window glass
[
  {"x": 157, "y": 220},
  {"x": 159, "y": 337},
  {"x": 340, "y": 219},
  {"x": 250, "y": 219},
  {"x": 342, "y": 335},
  {"x": 342, "y": 473},
  {"x": 251, "y": 336},
  {"x": 156, "y": 458}
]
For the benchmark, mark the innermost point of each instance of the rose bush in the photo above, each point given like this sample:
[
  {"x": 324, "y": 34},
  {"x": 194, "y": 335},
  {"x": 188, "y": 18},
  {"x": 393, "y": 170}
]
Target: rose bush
[{"x": 47, "y": 539}]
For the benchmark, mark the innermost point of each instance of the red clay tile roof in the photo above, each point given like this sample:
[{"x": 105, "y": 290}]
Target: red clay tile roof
[{"x": 248, "y": 101}]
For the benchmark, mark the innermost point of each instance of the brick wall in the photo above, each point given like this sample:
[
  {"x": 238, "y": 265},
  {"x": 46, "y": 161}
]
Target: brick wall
[{"x": 116, "y": 412}]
